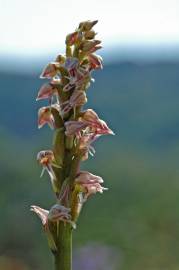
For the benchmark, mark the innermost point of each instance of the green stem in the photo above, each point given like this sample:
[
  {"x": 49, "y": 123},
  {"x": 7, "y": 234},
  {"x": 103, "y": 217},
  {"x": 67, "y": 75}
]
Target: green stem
[{"x": 63, "y": 256}]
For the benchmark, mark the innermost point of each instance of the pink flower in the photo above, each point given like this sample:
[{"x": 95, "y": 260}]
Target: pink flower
[
  {"x": 78, "y": 98},
  {"x": 50, "y": 70},
  {"x": 87, "y": 129},
  {"x": 77, "y": 74},
  {"x": 71, "y": 64},
  {"x": 45, "y": 116},
  {"x": 46, "y": 159},
  {"x": 76, "y": 80},
  {"x": 74, "y": 127},
  {"x": 89, "y": 123},
  {"x": 59, "y": 212},
  {"x": 97, "y": 125},
  {"x": 46, "y": 91},
  {"x": 90, "y": 183},
  {"x": 95, "y": 61},
  {"x": 90, "y": 45},
  {"x": 85, "y": 142}
]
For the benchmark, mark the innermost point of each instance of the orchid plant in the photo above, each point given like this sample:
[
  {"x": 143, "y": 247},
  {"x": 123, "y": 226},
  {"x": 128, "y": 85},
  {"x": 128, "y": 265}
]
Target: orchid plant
[{"x": 75, "y": 130}]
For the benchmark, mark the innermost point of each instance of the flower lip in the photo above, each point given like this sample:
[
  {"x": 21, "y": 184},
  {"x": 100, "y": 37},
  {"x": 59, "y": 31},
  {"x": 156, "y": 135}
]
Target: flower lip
[
  {"x": 46, "y": 155},
  {"x": 47, "y": 160}
]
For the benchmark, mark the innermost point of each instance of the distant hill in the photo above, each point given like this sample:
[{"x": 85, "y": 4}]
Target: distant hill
[
  {"x": 139, "y": 100},
  {"x": 139, "y": 215}
]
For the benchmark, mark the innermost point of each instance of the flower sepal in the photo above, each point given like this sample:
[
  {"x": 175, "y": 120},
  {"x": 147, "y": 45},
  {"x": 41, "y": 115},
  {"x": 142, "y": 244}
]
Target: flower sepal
[{"x": 43, "y": 215}]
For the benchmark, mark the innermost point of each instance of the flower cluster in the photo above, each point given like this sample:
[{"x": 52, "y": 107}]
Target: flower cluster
[{"x": 75, "y": 129}]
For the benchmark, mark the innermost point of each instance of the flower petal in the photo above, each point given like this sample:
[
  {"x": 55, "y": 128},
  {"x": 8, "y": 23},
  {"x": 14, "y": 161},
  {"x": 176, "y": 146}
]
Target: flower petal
[
  {"x": 42, "y": 213},
  {"x": 46, "y": 91}
]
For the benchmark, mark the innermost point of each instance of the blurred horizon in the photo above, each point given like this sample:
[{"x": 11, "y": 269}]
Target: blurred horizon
[{"x": 130, "y": 53}]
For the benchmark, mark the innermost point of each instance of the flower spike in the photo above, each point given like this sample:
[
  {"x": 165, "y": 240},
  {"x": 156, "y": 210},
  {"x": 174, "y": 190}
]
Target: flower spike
[{"x": 75, "y": 131}]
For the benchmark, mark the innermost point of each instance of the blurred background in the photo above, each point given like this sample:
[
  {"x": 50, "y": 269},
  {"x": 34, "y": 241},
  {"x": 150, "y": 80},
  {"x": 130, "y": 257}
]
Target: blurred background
[{"x": 135, "y": 225}]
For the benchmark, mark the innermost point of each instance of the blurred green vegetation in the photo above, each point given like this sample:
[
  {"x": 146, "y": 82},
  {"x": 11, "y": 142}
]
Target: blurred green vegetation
[{"x": 139, "y": 215}]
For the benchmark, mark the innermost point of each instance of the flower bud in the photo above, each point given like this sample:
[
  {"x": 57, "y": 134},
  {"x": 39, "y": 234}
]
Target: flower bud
[
  {"x": 72, "y": 38},
  {"x": 89, "y": 34},
  {"x": 88, "y": 45},
  {"x": 60, "y": 59},
  {"x": 87, "y": 25}
]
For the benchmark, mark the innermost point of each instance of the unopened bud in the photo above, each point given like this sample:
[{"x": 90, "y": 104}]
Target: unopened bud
[
  {"x": 90, "y": 34},
  {"x": 60, "y": 59},
  {"x": 88, "y": 45},
  {"x": 72, "y": 38},
  {"x": 87, "y": 25}
]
